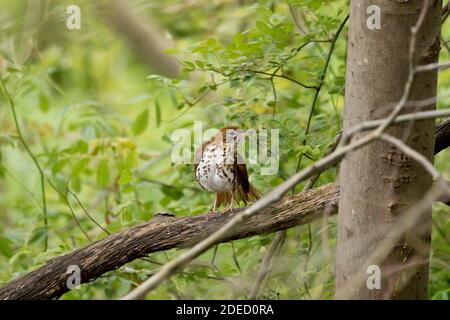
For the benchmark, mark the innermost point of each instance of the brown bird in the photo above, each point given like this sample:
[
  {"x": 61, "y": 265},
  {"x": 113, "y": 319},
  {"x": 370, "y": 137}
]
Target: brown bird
[{"x": 220, "y": 169}]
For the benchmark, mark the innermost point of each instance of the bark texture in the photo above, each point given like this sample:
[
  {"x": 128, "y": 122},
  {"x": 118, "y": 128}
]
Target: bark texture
[{"x": 378, "y": 183}]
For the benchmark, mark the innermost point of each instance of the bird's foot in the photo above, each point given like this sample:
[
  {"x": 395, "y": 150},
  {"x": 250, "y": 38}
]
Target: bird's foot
[{"x": 227, "y": 210}]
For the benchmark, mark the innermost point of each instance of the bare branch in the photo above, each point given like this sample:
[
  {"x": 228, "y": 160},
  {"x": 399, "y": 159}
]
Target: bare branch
[
  {"x": 266, "y": 265},
  {"x": 424, "y": 115},
  {"x": 433, "y": 66}
]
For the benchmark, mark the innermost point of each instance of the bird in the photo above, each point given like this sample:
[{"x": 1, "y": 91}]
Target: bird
[{"x": 220, "y": 169}]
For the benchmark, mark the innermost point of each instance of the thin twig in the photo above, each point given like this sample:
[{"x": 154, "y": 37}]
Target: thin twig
[
  {"x": 266, "y": 265},
  {"x": 22, "y": 185},
  {"x": 272, "y": 75},
  {"x": 319, "y": 88},
  {"x": 32, "y": 156},
  {"x": 275, "y": 99},
  {"x": 86, "y": 212},
  {"x": 214, "y": 254},
  {"x": 297, "y": 24},
  {"x": 77, "y": 221},
  {"x": 236, "y": 262},
  {"x": 445, "y": 12},
  {"x": 433, "y": 66},
  {"x": 424, "y": 115}
]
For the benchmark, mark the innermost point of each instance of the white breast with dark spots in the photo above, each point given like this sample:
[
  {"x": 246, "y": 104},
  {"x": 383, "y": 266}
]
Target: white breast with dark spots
[{"x": 213, "y": 172}]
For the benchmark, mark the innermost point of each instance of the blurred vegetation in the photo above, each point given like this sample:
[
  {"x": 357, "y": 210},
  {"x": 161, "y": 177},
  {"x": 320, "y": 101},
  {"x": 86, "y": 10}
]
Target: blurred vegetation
[{"x": 98, "y": 121}]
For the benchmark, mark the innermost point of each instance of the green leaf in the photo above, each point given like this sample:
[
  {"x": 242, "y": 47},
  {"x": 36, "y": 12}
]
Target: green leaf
[
  {"x": 44, "y": 102},
  {"x": 200, "y": 64},
  {"x": 171, "y": 50},
  {"x": 80, "y": 166},
  {"x": 166, "y": 138},
  {"x": 172, "y": 192},
  {"x": 5, "y": 249},
  {"x": 262, "y": 27},
  {"x": 127, "y": 213},
  {"x": 190, "y": 65},
  {"x": 173, "y": 98},
  {"x": 203, "y": 89},
  {"x": 125, "y": 177},
  {"x": 140, "y": 123},
  {"x": 75, "y": 184},
  {"x": 60, "y": 185},
  {"x": 37, "y": 235},
  {"x": 128, "y": 189},
  {"x": 58, "y": 166},
  {"x": 80, "y": 146},
  {"x": 158, "y": 114},
  {"x": 211, "y": 42},
  {"x": 103, "y": 173}
]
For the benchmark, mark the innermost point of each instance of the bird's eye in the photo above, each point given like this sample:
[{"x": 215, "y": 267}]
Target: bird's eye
[{"x": 231, "y": 133}]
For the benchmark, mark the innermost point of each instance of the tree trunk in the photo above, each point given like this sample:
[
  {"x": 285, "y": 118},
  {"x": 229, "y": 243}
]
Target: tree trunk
[{"x": 379, "y": 183}]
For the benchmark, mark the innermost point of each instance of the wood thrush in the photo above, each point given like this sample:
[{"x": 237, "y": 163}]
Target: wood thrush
[{"x": 220, "y": 169}]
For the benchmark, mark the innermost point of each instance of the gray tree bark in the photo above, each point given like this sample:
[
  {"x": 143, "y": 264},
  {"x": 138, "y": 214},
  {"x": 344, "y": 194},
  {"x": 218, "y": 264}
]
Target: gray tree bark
[{"x": 379, "y": 183}]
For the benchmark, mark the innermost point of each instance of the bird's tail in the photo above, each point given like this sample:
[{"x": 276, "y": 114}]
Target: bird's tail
[
  {"x": 223, "y": 198},
  {"x": 250, "y": 196}
]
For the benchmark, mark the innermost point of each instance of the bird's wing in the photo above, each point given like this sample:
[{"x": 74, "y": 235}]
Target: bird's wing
[{"x": 242, "y": 176}]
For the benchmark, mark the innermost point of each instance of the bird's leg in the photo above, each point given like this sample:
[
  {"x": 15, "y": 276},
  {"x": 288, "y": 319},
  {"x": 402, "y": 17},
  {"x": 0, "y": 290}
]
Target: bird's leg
[
  {"x": 230, "y": 206},
  {"x": 231, "y": 202},
  {"x": 215, "y": 204}
]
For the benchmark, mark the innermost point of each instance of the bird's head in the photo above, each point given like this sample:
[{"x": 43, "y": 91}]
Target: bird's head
[{"x": 231, "y": 134}]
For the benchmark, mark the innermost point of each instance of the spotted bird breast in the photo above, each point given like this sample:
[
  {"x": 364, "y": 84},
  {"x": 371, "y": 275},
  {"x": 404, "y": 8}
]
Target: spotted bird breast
[{"x": 215, "y": 172}]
